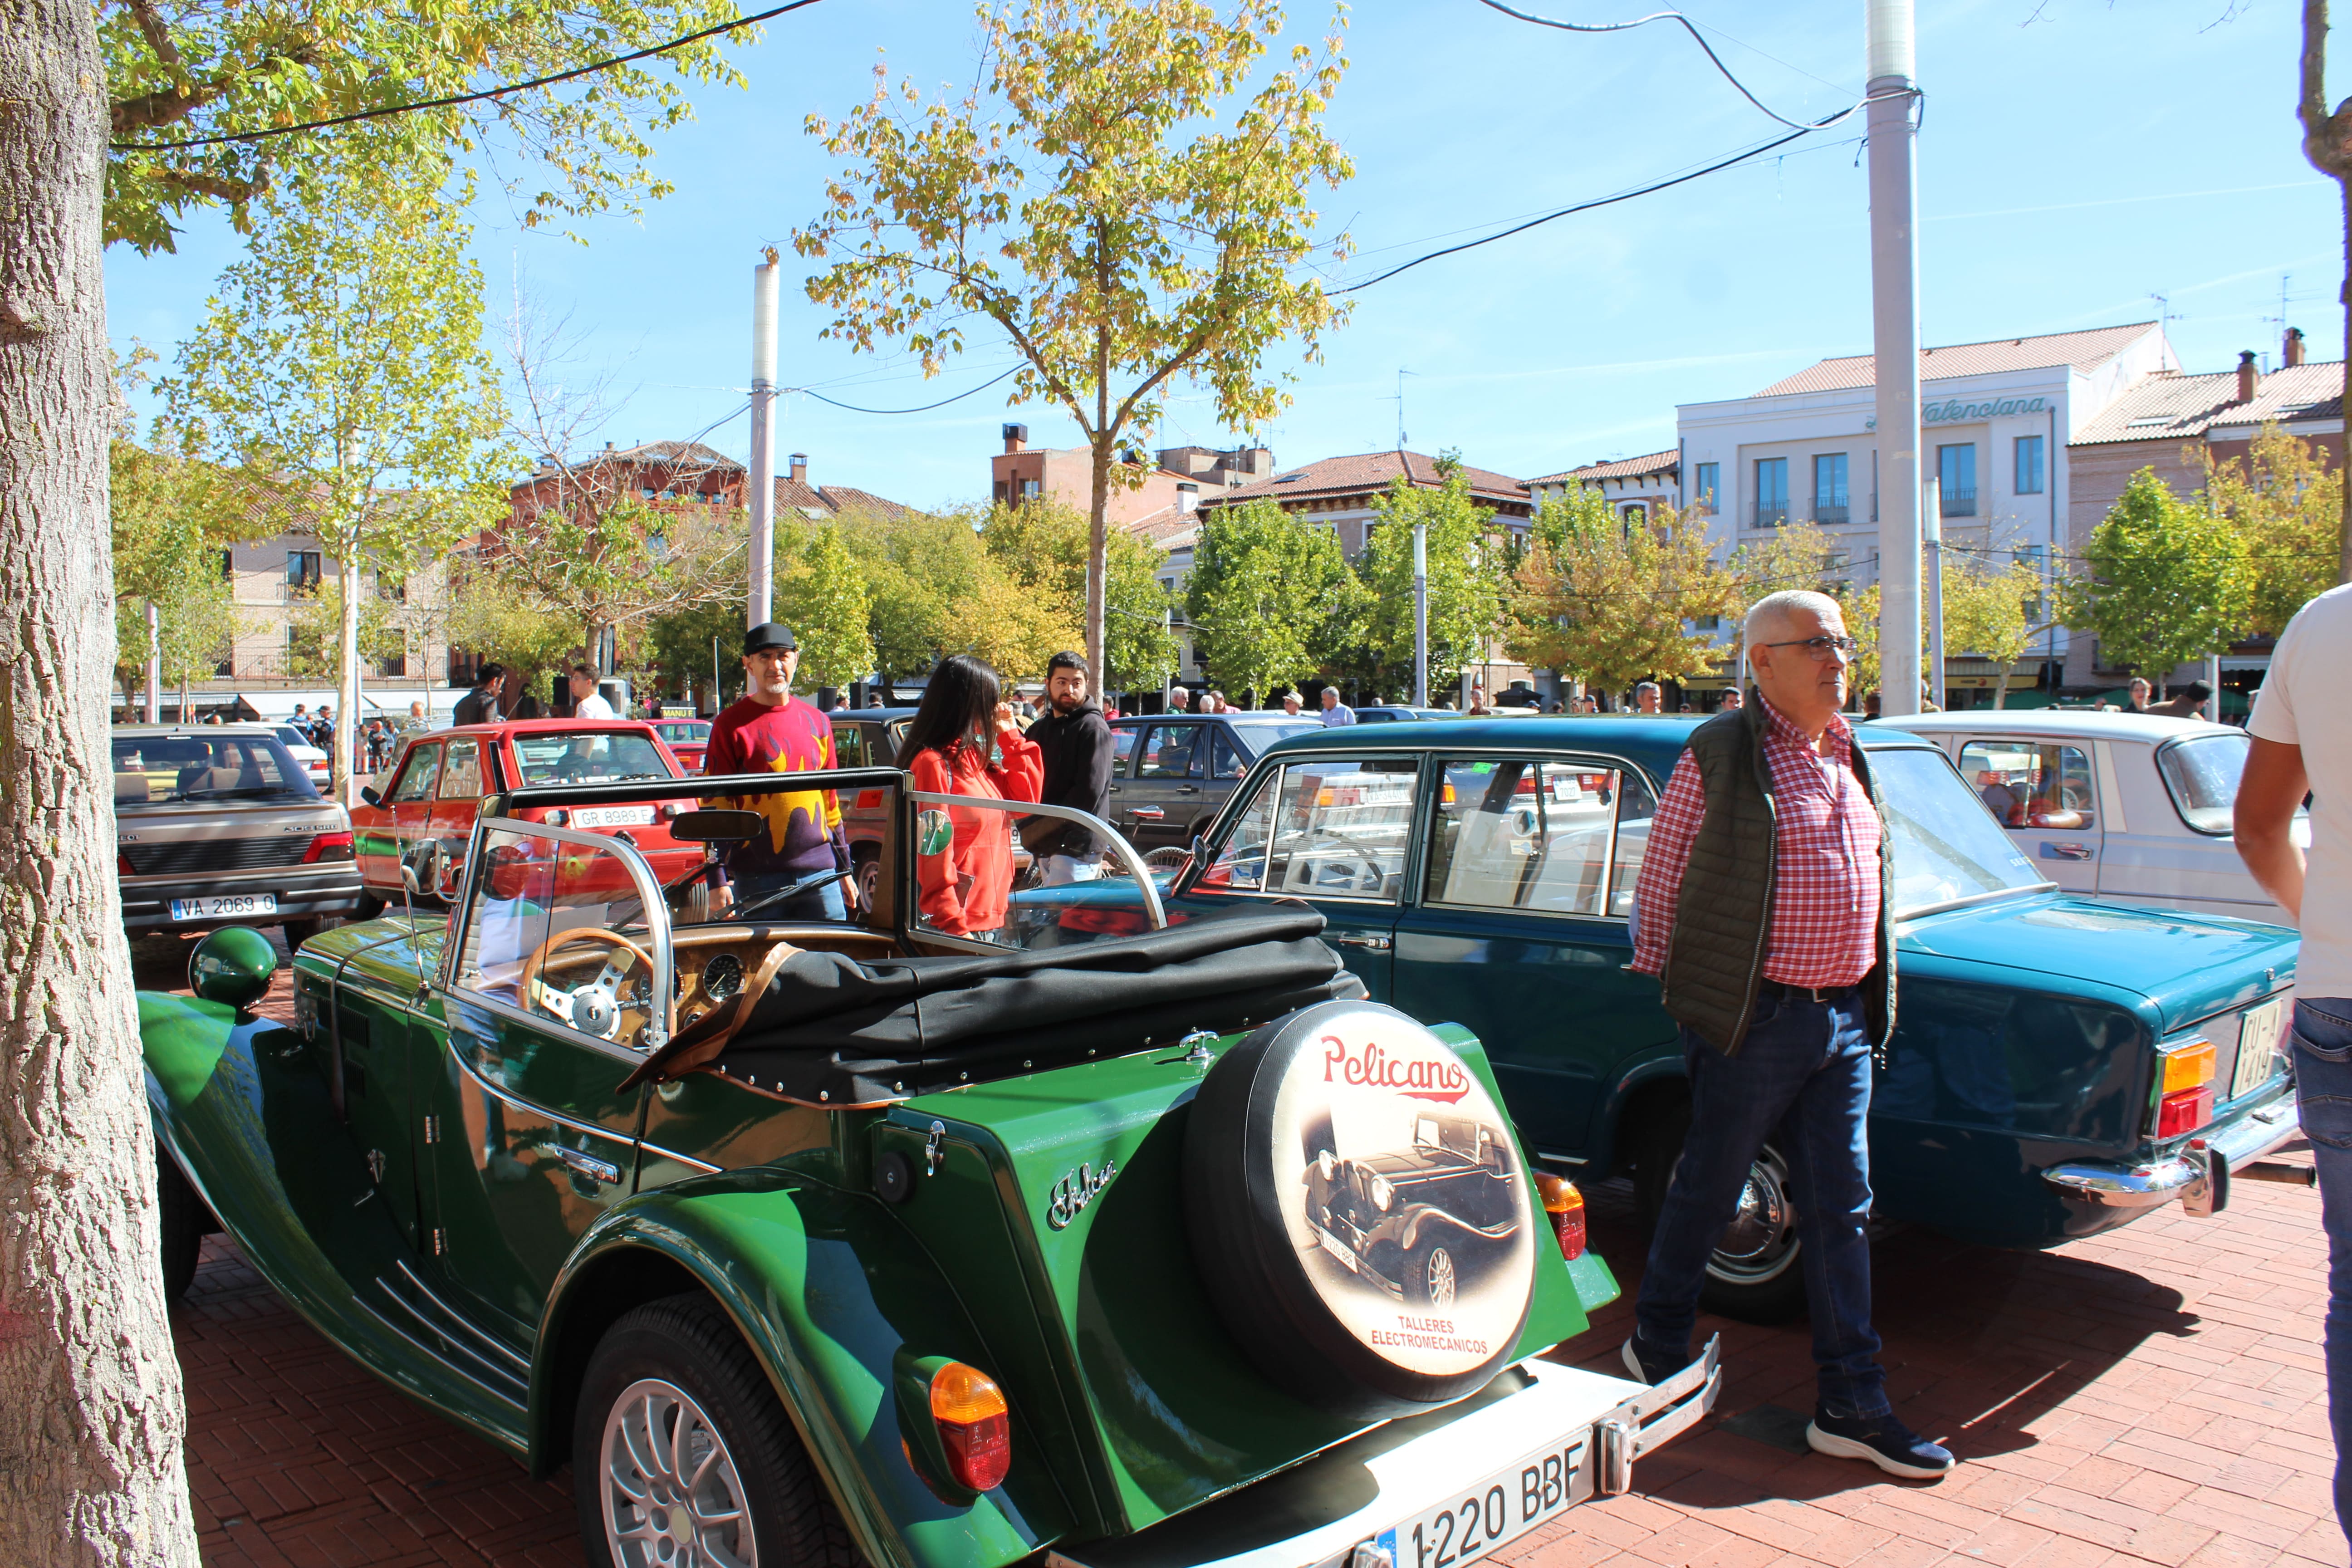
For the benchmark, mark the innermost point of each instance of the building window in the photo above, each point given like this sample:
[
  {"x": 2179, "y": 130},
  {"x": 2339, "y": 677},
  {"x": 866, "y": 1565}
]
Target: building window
[
  {"x": 302, "y": 571},
  {"x": 1829, "y": 487},
  {"x": 1772, "y": 491},
  {"x": 1706, "y": 623},
  {"x": 2029, "y": 465},
  {"x": 1707, "y": 487},
  {"x": 228, "y": 567},
  {"x": 1031, "y": 490},
  {"x": 1633, "y": 512},
  {"x": 1956, "y": 473}
]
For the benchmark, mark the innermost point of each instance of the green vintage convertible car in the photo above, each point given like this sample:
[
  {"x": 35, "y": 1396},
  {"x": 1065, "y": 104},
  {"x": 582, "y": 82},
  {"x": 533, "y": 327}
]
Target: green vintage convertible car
[{"x": 826, "y": 1243}]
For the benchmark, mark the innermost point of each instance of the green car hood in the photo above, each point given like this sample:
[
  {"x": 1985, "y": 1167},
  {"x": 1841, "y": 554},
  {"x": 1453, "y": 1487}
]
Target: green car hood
[{"x": 2190, "y": 966}]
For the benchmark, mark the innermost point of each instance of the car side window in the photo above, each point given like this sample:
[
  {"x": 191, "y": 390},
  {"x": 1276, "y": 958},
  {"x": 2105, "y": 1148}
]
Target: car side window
[
  {"x": 1635, "y": 806},
  {"x": 1336, "y": 828},
  {"x": 1225, "y": 759},
  {"x": 849, "y": 745},
  {"x": 1173, "y": 752},
  {"x": 1238, "y": 865},
  {"x": 415, "y": 780},
  {"x": 1122, "y": 747},
  {"x": 1524, "y": 834},
  {"x": 557, "y": 928},
  {"x": 2030, "y": 784},
  {"x": 461, "y": 772}
]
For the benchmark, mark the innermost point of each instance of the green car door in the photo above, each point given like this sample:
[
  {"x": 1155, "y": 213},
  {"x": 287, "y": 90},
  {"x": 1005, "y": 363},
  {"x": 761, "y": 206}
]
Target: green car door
[
  {"x": 1334, "y": 829},
  {"x": 1518, "y": 929},
  {"x": 555, "y": 983}
]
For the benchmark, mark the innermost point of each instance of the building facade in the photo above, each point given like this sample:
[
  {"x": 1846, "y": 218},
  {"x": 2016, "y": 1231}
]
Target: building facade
[{"x": 1634, "y": 486}]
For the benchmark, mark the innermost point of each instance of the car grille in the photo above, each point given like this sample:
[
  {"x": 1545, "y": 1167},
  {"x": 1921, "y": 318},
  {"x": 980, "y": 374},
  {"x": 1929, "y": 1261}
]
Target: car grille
[{"x": 216, "y": 855}]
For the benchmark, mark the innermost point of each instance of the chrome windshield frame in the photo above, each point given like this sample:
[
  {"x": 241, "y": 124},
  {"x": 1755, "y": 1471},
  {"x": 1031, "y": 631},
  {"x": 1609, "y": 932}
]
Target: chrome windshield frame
[{"x": 1121, "y": 850}]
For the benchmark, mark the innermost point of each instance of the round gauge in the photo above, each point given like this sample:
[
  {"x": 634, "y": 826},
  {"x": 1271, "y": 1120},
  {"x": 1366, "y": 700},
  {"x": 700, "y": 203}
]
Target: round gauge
[{"x": 722, "y": 977}]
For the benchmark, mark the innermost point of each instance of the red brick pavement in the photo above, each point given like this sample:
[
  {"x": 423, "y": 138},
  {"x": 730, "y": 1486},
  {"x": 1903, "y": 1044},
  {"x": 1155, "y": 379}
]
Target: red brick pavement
[{"x": 2154, "y": 1395}]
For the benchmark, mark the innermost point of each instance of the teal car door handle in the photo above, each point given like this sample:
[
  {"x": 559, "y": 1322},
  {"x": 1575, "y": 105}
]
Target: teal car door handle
[
  {"x": 1373, "y": 940},
  {"x": 2067, "y": 851}
]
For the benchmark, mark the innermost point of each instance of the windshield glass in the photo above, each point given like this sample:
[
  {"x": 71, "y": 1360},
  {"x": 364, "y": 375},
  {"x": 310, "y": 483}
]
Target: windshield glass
[
  {"x": 563, "y": 756},
  {"x": 292, "y": 737},
  {"x": 2201, "y": 773},
  {"x": 170, "y": 769},
  {"x": 1945, "y": 845},
  {"x": 1258, "y": 734}
]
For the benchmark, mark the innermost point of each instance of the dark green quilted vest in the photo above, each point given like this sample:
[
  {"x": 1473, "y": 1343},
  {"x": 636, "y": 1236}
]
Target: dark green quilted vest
[{"x": 1714, "y": 957}]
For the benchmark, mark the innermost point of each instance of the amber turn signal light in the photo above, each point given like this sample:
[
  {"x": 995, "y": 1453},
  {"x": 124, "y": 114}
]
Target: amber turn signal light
[
  {"x": 1564, "y": 1206},
  {"x": 968, "y": 1410},
  {"x": 2189, "y": 1065}
]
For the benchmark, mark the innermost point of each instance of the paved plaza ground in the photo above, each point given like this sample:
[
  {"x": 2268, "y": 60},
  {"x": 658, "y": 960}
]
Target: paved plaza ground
[{"x": 2154, "y": 1395}]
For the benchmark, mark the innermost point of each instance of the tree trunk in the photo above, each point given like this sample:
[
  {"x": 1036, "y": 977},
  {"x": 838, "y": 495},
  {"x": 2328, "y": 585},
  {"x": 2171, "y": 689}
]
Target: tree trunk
[
  {"x": 91, "y": 1418},
  {"x": 1097, "y": 553},
  {"x": 347, "y": 686}
]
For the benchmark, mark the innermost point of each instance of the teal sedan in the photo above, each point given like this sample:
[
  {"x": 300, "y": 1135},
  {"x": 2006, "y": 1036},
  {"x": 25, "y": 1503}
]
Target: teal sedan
[{"x": 2060, "y": 1065}]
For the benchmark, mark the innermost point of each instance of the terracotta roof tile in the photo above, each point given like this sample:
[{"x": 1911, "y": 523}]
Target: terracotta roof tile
[
  {"x": 1648, "y": 465},
  {"x": 2172, "y": 407},
  {"x": 2083, "y": 351},
  {"x": 1367, "y": 473}
]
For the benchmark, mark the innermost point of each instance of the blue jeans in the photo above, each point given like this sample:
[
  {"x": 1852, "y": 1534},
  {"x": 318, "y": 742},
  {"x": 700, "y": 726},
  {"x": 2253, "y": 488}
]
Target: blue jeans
[
  {"x": 2323, "y": 1094},
  {"x": 823, "y": 903},
  {"x": 1802, "y": 1079}
]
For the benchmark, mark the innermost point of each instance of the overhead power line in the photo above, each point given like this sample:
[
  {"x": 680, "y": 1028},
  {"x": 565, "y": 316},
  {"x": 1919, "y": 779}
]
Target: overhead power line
[
  {"x": 1688, "y": 26},
  {"x": 450, "y": 102},
  {"x": 925, "y": 408},
  {"x": 1582, "y": 206}
]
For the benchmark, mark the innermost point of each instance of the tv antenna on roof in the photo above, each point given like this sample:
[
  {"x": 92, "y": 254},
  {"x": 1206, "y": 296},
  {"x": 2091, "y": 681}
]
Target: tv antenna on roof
[{"x": 1399, "y": 400}]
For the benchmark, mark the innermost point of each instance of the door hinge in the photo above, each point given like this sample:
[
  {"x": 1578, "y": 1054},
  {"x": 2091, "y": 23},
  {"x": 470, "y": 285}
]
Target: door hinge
[
  {"x": 440, "y": 1241},
  {"x": 433, "y": 1129}
]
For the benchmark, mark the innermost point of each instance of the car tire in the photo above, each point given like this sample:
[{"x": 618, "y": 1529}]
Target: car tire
[
  {"x": 184, "y": 1222},
  {"x": 301, "y": 930},
  {"x": 681, "y": 1358},
  {"x": 865, "y": 871},
  {"x": 1763, "y": 1282},
  {"x": 369, "y": 907},
  {"x": 1430, "y": 1278}
]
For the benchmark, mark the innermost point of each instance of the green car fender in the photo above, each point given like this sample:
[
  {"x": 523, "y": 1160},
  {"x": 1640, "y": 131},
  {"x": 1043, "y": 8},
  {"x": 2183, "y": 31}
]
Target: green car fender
[{"x": 830, "y": 1298}]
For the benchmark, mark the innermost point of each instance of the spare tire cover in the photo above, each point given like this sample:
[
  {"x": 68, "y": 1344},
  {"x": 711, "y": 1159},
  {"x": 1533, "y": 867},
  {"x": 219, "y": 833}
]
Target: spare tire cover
[{"x": 1358, "y": 1211}]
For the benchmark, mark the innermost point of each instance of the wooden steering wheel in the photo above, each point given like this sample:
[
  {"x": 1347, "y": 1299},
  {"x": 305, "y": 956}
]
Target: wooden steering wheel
[{"x": 594, "y": 1008}]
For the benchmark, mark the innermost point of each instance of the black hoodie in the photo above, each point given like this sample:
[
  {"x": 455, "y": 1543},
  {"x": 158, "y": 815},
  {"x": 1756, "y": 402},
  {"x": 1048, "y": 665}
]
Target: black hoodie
[{"x": 1078, "y": 752}]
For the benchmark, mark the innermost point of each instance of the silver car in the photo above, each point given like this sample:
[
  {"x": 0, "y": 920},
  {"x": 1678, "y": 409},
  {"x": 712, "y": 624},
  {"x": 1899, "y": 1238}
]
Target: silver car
[
  {"x": 219, "y": 823},
  {"x": 2134, "y": 806}
]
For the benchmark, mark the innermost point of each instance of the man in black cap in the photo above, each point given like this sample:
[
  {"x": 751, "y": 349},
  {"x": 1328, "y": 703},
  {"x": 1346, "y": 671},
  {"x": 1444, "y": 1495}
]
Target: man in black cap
[{"x": 769, "y": 729}]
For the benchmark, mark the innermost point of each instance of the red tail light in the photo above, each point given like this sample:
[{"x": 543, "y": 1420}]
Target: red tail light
[
  {"x": 122, "y": 865},
  {"x": 328, "y": 847},
  {"x": 2184, "y": 1111},
  {"x": 1527, "y": 785},
  {"x": 968, "y": 1410},
  {"x": 1564, "y": 1206}
]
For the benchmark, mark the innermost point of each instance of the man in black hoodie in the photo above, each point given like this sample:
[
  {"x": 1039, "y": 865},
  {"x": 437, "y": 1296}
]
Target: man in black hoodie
[{"x": 1077, "y": 749}]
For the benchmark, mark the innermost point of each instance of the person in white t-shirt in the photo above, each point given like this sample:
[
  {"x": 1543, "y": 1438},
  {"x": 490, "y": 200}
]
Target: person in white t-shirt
[
  {"x": 587, "y": 702},
  {"x": 2303, "y": 742}
]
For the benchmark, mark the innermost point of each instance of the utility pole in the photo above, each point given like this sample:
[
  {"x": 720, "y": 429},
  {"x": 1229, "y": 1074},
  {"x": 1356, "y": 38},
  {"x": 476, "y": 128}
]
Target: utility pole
[
  {"x": 762, "y": 497},
  {"x": 1931, "y": 521},
  {"x": 155, "y": 667},
  {"x": 1895, "y": 340},
  {"x": 1420, "y": 614}
]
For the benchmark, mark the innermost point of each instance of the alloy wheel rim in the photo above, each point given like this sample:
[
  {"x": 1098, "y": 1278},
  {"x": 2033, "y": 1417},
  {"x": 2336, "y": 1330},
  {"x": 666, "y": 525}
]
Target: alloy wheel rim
[
  {"x": 1441, "y": 1278},
  {"x": 672, "y": 1497},
  {"x": 1762, "y": 1237}
]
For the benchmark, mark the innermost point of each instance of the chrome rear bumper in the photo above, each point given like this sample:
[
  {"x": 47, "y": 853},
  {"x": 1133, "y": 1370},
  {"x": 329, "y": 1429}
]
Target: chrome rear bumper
[
  {"x": 1334, "y": 1511},
  {"x": 2198, "y": 1174}
]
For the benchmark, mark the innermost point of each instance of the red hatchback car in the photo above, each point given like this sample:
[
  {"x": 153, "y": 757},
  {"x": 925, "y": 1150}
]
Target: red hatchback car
[
  {"x": 436, "y": 784},
  {"x": 688, "y": 739}
]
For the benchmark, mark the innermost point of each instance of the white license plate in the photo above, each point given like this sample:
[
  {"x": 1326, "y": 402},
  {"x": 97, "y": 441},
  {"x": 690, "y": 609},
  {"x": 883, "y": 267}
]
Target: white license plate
[
  {"x": 232, "y": 906},
  {"x": 1498, "y": 1509},
  {"x": 612, "y": 816},
  {"x": 2258, "y": 1047}
]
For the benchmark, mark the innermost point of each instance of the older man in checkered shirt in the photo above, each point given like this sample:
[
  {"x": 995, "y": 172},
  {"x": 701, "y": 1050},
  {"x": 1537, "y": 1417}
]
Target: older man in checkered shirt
[{"x": 1763, "y": 909}]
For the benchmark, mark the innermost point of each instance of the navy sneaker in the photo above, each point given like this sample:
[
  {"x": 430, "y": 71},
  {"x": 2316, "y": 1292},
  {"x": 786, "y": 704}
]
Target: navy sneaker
[
  {"x": 1883, "y": 1440},
  {"x": 1652, "y": 1365}
]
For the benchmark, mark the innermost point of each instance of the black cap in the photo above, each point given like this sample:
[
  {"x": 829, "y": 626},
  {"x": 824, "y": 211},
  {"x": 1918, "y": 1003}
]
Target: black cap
[{"x": 767, "y": 634}]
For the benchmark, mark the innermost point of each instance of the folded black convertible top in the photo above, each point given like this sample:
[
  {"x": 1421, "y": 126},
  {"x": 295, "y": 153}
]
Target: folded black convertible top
[{"x": 831, "y": 1030}]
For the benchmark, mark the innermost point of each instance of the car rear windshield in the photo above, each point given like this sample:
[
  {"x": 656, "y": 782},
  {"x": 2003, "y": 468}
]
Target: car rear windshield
[
  {"x": 571, "y": 756},
  {"x": 175, "y": 770},
  {"x": 2203, "y": 773},
  {"x": 1945, "y": 846},
  {"x": 1259, "y": 733}
]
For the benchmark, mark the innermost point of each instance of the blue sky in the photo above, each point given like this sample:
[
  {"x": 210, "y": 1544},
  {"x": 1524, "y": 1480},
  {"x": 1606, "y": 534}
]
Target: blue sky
[{"x": 2077, "y": 157}]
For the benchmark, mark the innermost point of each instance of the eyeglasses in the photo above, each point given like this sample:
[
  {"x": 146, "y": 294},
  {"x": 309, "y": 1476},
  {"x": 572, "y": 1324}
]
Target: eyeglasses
[{"x": 1820, "y": 648}]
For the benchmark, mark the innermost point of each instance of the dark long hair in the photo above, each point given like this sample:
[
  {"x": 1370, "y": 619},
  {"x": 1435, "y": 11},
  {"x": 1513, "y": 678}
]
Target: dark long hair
[{"x": 959, "y": 704}]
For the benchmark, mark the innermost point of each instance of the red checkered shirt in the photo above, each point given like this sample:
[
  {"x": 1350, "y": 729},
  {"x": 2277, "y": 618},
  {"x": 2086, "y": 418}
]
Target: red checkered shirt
[{"x": 1826, "y": 903}]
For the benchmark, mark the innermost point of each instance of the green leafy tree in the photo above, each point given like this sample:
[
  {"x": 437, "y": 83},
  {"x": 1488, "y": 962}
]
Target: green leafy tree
[
  {"x": 315, "y": 628},
  {"x": 916, "y": 567},
  {"x": 1042, "y": 545},
  {"x": 1793, "y": 555},
  {"x": 177, "y": 74},
  {"x": 2285, "y": 501},
  {"x": 679, "y": 646},
  {"x": 1271, "y": 599},
  {"x": 1466, "y": 578},
  {"x": 1086, "y": 205},
  {"x": 1989, "y": 613},
  {"x": 1608, "y": 598},
  {"x": 2165, "y": 581},
  {"x": 344, "y": 359},
  {"x": 822, "y": 597},
  {"x": 172, "y": 518}
]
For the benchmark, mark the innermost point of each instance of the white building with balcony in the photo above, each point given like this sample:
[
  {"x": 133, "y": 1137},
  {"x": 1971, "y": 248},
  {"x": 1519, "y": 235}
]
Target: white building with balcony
[{"x": 1995, "y": 419}]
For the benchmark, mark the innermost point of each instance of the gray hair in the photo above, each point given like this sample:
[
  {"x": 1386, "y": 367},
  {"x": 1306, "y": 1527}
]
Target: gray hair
[
  {"x": 1774, "y": 608},
  {"x": 1641, "y": 685}
]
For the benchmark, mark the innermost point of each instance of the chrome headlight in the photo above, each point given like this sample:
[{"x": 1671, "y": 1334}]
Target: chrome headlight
[{"x": 1383, "y": 1195}]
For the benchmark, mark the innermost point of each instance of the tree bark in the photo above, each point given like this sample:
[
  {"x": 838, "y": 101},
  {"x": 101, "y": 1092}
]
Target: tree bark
[
  {"x": 91, "y": 1418},
  {"x": 347, "y": 686}
]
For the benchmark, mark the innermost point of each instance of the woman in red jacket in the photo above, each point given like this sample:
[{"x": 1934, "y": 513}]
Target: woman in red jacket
[{"x": 963, "y": 859}]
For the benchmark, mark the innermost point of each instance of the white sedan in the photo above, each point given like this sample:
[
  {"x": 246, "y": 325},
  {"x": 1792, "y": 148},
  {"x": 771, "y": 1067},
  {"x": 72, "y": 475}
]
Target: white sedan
[{"x": 2125, "y": 805}]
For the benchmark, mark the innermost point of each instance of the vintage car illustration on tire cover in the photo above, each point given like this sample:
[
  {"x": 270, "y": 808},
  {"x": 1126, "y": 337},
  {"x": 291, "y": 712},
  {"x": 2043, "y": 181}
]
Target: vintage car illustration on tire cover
[{"x": 1416, "y": 1222}]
